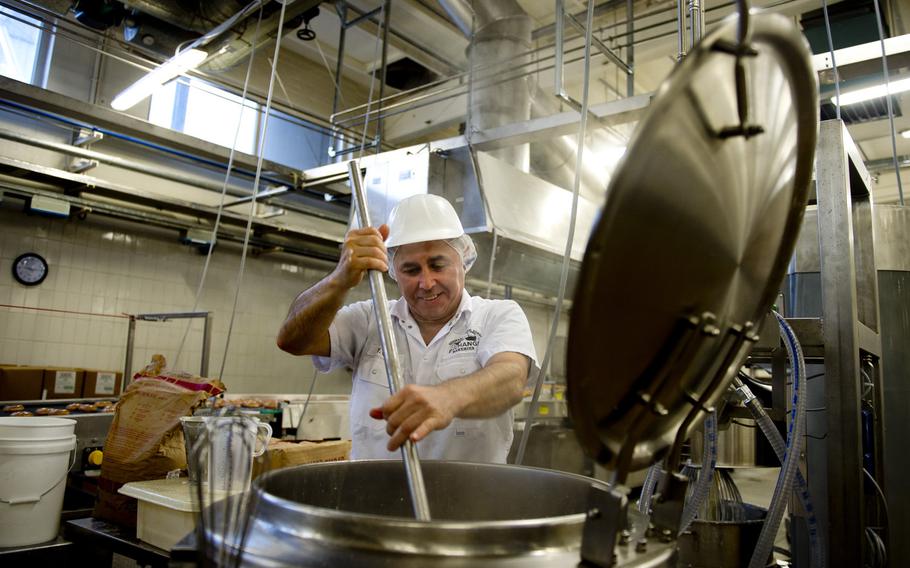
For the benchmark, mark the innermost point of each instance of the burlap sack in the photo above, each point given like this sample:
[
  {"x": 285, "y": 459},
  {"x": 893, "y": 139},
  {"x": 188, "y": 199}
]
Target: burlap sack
[{"x": 145, "y": 440}]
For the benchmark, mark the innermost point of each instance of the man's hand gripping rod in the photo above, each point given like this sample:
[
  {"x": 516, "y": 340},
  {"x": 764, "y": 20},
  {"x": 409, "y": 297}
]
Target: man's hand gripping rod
[{"x": 390, "y": 354}]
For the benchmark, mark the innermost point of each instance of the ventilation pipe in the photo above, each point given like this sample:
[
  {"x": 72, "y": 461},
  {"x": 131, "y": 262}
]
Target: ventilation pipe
[
  {"x": 503, "y": 33},
  {"x": 500, "y": 42}
]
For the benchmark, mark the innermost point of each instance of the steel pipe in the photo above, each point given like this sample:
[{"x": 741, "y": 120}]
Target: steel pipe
[
  {"x": 107, "y": 159},
  {"x": 681, "y": 44},
  {"x": 390, "y": 353}
]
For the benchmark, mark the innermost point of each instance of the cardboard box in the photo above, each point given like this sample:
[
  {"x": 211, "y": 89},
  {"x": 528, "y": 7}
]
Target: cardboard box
[
  {"x": 100, "y": 384},
  {"x": 63, "y": 383},
  {"x": 287, "y": 454},
  {"x": 20, "y": 383}
]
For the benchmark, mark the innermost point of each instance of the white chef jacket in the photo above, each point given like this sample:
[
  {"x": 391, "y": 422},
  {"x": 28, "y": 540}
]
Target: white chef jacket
[{"x": 479, "y": 329}]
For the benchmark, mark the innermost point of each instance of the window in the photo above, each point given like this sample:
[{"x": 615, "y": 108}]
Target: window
[
  {"x": 295, "y": 142},
  {"x": 207, "y": 112},
  {"x": 20, "y": 43}
]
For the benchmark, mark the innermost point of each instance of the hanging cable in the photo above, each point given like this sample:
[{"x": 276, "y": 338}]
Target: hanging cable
[
  {"x": 227, "y": 176},
  {"x": 249, "y": 220},
  {"x": 492, "y": 264},
  {"x": 335, "y": 80},
  {"x": 897, "y": 167},
  {"x": 287, "y": 97},
  {"x": 833, "y": 60},
  {"x": 570, "y": 238},
  {"x": 306, "y": 403},
  {"x": 366, "y": 121}
]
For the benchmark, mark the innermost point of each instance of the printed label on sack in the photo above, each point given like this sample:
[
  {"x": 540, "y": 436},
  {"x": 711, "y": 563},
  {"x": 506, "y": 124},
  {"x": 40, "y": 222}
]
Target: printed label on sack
[
  {"x": 65, "y": 382},
  {"x": 105, "y": 383}
]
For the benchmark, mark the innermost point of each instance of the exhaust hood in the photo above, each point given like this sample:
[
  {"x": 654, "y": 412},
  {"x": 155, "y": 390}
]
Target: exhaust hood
[{"x": 524, "y": 217}]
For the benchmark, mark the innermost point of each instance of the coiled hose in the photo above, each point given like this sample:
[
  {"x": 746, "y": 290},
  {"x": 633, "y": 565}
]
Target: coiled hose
[
  {"x": 816, "y": 538},
  {"x": 705, "y": 476},
  {"x": 792, "y": 452}
]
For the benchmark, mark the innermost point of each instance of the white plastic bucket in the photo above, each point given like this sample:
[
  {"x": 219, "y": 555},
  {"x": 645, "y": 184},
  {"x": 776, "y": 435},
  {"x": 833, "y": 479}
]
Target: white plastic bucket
[
  {"x": 33, "y": 467},
  {"x": 35, "y": 427}
]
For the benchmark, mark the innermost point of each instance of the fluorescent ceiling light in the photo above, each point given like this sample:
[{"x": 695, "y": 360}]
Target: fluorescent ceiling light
[
  {"x": 905, "y": 134},
  {"x": 862, "y": 52},
  {"x": 875, "y": 92},
  {"x": 179, "y": 64}
]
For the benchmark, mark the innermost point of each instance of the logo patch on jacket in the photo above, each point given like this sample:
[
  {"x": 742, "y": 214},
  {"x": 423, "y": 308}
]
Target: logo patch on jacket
[{"x": 467, "y": 342}]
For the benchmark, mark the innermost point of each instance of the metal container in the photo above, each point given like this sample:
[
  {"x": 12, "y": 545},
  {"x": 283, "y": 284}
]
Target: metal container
[
  {"x": 359, "y": 514},
  {"x": 740, "y": 443},
  {"x": 719, "y": 544}
]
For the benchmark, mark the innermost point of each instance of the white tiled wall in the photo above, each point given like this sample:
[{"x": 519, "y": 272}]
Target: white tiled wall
[
  {"x": 110, "y": 268},
  {"x": 104, "y": 266}
]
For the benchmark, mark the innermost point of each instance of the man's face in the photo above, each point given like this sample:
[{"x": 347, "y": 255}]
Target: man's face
[{"x": 431, "y": 279}]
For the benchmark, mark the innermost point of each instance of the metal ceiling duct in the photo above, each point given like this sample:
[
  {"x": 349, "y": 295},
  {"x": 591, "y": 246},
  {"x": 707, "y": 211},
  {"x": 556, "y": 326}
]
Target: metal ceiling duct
[
  {"x": 500, "y": 36},
  {"x": 500, "y": 43}
]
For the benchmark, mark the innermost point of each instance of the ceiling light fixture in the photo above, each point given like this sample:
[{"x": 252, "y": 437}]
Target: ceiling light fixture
[
  {"x": 905, "y": 134},
  {"x": 177, "y": 65},
  {"x": 863, "y": 52},
  {"x": 190, "y": 58},
  {"x": 875, "y": 92}
]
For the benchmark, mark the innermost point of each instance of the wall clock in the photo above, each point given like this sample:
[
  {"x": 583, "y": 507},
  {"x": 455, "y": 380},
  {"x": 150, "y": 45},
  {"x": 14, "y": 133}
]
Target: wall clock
[{"x": 30, "y": 269}]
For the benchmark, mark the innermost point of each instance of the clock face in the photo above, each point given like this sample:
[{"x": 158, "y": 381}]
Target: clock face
[{"x": 30, "y": 269}]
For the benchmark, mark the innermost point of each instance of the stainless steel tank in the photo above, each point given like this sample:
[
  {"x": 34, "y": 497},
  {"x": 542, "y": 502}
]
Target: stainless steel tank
[
  {"x": 737, "y": 444},
  {"x": 721, "y": 544},
  {"x": 359, "y": 514}
]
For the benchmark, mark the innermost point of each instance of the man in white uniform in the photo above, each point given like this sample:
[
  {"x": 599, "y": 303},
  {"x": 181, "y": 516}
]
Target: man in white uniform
[{"x": 465, "y": 359}]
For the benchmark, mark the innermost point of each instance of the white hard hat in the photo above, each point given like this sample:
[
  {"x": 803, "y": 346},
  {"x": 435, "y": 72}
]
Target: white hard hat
[
  {"x": 426, "y": 217},
  {"x": 421, "y": 218}
]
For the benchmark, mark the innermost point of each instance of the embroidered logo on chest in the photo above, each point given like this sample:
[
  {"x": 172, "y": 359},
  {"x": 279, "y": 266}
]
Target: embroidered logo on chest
[{"x": 466, "y": 342}]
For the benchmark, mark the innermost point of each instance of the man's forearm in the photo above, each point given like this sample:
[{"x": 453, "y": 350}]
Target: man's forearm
[
  {"x": 305, "y": 329},
  {"x": 492, "y": 390}
]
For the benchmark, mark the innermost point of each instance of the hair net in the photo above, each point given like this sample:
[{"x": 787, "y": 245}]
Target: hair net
[{"x": 463, "y": 245}]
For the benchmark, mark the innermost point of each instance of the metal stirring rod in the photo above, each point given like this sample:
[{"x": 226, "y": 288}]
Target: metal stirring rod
[{"x": 390, "y": 354}]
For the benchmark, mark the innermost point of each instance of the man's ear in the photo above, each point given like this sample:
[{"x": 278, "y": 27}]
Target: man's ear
[{"x": 384, "y": 231}]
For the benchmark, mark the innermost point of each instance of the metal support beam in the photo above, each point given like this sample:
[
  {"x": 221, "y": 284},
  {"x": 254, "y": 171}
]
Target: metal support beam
[
  {"x": 133, "y": 128},
  {"x": 887, "y": 164},
  {"x": 608, "y": 53},
  {"x": 559, "y": 88},
  {"x": 630, "y": 52},
  {"x": 142, "y": 197},
  {"x": 359, "y": 19},
  {"x": 849, "y": 301},
  {"x": 605, "y": 114},
  {"x": 261, "y": 195}
]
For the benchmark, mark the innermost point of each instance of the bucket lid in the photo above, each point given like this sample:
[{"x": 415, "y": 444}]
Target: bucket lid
[{"x": 34, "y": 422}]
